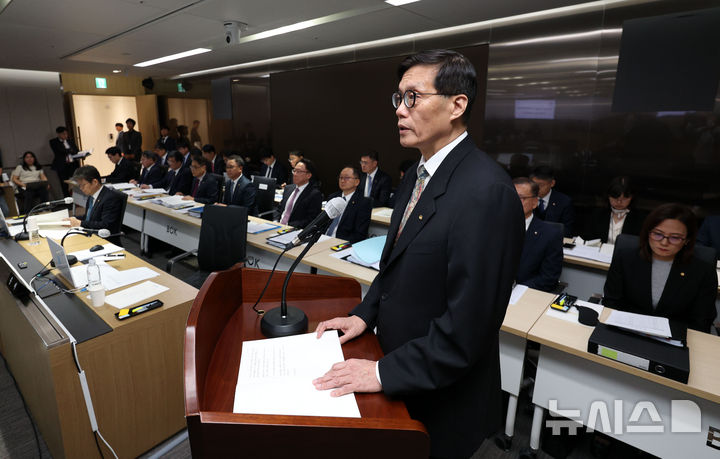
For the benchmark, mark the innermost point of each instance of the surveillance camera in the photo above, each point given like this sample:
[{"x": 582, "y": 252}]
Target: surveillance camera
[{"x": 233, "y": 30}]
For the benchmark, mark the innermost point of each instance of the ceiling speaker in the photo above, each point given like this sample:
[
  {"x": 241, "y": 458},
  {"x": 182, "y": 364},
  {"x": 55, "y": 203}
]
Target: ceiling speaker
[{"x": 148, "y": 83}]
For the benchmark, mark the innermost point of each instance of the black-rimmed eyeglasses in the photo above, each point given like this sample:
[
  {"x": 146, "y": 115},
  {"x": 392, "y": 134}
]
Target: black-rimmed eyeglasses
[{"x": 409, "y": 97}]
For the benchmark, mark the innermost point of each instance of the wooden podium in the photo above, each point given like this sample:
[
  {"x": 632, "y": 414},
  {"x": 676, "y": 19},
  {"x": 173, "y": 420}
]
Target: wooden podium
[{"x": 222, "y": 318}]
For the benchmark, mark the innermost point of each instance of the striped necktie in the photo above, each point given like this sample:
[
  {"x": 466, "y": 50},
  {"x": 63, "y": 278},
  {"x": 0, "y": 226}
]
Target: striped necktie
[{"x": 417, "y": 191}]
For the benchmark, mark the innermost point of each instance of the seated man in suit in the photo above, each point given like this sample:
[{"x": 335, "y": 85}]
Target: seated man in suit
[
  {"x": 162, "y": 153},
  {"x": 152, "y": 174},
  {"x": 239, "y": 190},
  {"x": 352, "y": 225},
  {"x": 542, "y": 255},
  {"x": 217, "y": 165},
  {"x": 104, "y": 208},
  {"x": 272, "y": 167},
  {"x": 205, "y": 186},
  {"x": 709, "y": 233},
  {"x": 165, "y": 140},
  {"x": 124, "y": 170},
  {"x": 184, "y": 148},
  {"x": 374, "y": 183},
  {"x": 553, "y": 206},
  {"x": 301, "y": 201},
  {"x": 178, "y": 179}
]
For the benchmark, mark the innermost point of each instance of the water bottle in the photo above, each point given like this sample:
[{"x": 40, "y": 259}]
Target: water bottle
[
  {"x": 95, "y": 286},
  {"x": 33, "y": 231}
]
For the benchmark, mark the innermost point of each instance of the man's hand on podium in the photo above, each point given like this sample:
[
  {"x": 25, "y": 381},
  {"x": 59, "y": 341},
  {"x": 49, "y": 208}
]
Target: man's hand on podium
[
  {"x": 351, "y": 326},
  {"x": 353, "y": 375}
]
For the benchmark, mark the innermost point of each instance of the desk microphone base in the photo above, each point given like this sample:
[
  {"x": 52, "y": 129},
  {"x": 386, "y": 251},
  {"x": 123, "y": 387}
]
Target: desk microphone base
[
  {"x": 22, "y": 236},
  {"x": 273, "y": 324}
]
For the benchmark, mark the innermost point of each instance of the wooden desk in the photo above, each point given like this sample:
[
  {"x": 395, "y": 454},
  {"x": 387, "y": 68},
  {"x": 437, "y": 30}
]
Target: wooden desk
[
  {"x": 578, "y": 380},
  {"x": 134, "y": 371},
  {"x": 519, "y": 319},
  {"x": 379, "y": 221}
]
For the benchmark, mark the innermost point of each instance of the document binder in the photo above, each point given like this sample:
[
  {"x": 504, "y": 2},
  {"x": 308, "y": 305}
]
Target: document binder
[{"x": 642, "y": 352}]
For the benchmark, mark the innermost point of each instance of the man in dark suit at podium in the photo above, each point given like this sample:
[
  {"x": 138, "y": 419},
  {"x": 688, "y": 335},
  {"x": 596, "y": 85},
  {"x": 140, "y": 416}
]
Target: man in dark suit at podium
[
  {"x": 542, "y": 254},
  {"x": 446, "y": 271},
  {"x": 553, "y": 206},
  {"x": 374, "y": 183}
]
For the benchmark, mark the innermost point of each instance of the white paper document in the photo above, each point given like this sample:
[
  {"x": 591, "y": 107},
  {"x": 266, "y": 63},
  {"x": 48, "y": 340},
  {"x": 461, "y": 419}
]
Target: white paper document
[
  {"x": 650, "y": 325},
  {"x": 134, "y": 294},
  {"x": 121, "y": 186},
  {"x": 281, "y": 240},
  {"x": 276, "y": 375},
  {"x": 591, "y": 253},
  {"x": 111, "y": 277},
  {"x": 174, "y": 202},
  {"x": 384, "y": 213},
  {"x": 255, "y": 228},
  {"x": 517, "y": 292}
]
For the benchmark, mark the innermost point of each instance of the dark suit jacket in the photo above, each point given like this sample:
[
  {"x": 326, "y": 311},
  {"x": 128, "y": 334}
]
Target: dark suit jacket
[
  {"x": 307, "y": 206},
  {"x": 279, "y": 172},
  {"x": 355, "y": 220},
  {"x": 208, "y": 190},
  {"x": 59, "y": 163},
  {"x": 440, "y": 298},
  {"x": 169, "y": 143},
  {"x": 155, "y": 176},
  {"x": 559, "y": 210},
  {"x": 132, "y": 144},
  {"x": 542, "y": 256},
  {"x": 178, "y": 182},
  {"x": 107, "y": 212},
  {"x": 243, "y": 195},
  {"x": 380, "y": 189},
  {"x": 124, "y": 172},
  {"x": 709, "y": 233},
  {"x": 688, "y": 297},
  {"x": 599, "y": 224},
  {"x": 218, "y": 166}
]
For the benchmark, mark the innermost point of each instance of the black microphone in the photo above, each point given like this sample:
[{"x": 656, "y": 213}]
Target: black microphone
[
  {"x": 333, "y": 209},
  {"x": 23, "y": 236}
]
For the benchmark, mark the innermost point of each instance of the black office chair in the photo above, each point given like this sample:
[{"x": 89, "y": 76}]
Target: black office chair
[
  {"x": 116, "y": 239},
  {"x": 223, "y": 237},
  {"x": 265, "y": 196}
]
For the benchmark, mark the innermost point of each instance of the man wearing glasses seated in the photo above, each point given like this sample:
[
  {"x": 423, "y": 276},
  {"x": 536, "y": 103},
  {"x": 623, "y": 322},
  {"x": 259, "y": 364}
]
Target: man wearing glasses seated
[
  {"x": 301, "y": 201},
  {"x": 664, "y": 276}
]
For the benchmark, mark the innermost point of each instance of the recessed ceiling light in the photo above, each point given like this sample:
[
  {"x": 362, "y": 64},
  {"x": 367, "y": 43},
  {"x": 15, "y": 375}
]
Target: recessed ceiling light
[
  {"x": 173, "y": 57},
  {"x": 117, "y": 70},
  {"x": 400, "y": 2}
]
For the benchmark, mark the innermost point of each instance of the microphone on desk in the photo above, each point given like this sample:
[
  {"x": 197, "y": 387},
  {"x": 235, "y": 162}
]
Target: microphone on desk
[
  {"x": 23, "y": 236},
  {"x": 103, "y": 233},
  {"x": 333, "y": 209}
]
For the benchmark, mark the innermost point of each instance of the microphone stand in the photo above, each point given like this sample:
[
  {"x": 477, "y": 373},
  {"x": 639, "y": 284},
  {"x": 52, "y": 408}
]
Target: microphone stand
[
  {"x": 24, "y": 236},
  {"x": 287, "y": 320}
]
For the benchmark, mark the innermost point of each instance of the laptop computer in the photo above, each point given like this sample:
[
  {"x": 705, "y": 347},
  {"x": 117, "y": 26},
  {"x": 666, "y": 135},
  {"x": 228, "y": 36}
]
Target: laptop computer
[
  {"x": 61, "y": 263},
  {"x": 4, "y": 228}
]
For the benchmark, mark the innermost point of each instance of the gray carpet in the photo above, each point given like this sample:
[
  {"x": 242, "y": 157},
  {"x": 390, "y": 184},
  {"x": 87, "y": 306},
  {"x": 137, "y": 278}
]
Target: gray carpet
[{"x": 17, "y": 438}]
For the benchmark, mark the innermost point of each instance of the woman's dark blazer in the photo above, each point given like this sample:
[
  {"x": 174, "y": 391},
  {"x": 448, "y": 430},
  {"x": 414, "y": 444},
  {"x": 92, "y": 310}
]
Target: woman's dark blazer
[
  {"x": 689, "y": 294},
  {"x": 599, "y": 224}
]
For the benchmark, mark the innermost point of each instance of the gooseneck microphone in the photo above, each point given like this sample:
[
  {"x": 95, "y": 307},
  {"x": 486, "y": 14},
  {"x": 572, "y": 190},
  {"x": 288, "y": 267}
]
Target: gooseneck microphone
[
  {"x": 23, "y": 236},
  {"x": 333, "y": 209}
]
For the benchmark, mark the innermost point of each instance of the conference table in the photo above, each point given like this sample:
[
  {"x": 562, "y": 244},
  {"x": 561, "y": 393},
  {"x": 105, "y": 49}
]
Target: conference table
[
  {"x": 653, "y": 413},
  {"x": 134, "y": 367}
]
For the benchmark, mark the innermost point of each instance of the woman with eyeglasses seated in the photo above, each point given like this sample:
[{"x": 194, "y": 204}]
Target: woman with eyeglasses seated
[
  {"x": 620, "y": 217},
  {"x": 664, "y": 276}
]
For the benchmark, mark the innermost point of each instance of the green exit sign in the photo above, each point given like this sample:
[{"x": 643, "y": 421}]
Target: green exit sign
[
  {"x": 180, "y": 87},
  {"x": 100, "y": 83}
]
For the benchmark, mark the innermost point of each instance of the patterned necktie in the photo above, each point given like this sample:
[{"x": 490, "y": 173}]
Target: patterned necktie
[
  {"x": 541, "y": 206},
  {"x": 417, "y": 191},
  {"x": 368, "y": 186},
  {"x": 336, "y": 221},
  {"x": 289, "y": 207},
  {"x": 89, "y": 205},
  {"x": 268, "y": 174},
  {"x": 195, "y": 187}
]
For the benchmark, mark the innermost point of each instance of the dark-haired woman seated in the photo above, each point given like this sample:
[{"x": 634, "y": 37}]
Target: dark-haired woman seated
[
  {"x": 30, "y": 179},
  {"x": 620, "y": 218},
  {"x": 664, "y": 276}
]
